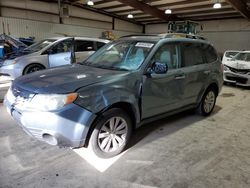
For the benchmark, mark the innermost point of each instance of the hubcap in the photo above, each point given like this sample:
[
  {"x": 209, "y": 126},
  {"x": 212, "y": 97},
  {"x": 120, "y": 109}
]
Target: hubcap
[
  {"x": 112, "y": 134},
  {"x": 209, "y": 101},
  {"x": 34, "y": 69}
]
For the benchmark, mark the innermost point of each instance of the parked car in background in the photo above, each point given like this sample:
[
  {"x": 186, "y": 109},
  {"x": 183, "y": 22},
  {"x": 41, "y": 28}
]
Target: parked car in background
[
  {"x": 228, "y": 55},
  {"x": 127, "y": 83},
  {"x": 49, "y": 53},
  {"x": 237, "y": 70},
  {"x": 28, "y": 41},
  {"x": 9, "y": 44}
]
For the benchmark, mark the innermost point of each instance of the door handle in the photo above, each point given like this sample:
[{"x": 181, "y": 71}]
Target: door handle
[
  {"x": 180, "y": 76},
  {"x": 207, "y": 72}
]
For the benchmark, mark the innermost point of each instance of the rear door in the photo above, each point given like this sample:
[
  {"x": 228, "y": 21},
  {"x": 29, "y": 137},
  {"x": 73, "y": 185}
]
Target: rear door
[
  {"x": 62, "y": 53},
  {"x": 83, "y": 49},
  {"x": 195, "y": 69}
]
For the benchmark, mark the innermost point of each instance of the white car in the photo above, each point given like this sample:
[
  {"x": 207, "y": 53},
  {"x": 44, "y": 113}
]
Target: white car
[
  {"x": 228, "y": 55},
  {"x": 49, "y": 53},
  {"x": 237, "y": 70}
]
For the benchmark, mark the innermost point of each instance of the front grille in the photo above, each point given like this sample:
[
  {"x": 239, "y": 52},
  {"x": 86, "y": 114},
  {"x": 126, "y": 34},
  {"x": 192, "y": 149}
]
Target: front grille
[
  {"x": 239, "y": 71},
  {"x": 237, "y": 79}
]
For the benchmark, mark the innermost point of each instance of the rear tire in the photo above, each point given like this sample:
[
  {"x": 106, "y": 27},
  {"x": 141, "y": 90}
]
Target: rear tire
[
  {"x": 111, "y": 133},
  {"x": 33, "y": 68},
  {"x": 207, "y": 103}
]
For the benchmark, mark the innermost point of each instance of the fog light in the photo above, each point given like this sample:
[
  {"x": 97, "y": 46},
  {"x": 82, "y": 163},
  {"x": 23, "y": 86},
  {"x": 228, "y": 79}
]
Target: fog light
[{"x": 50, "y": 139}]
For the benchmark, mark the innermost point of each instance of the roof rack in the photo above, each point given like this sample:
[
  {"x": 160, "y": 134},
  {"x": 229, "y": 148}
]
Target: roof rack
[
  {"x": 169, "y": 35},
  {"x": 182, "y": 35}
]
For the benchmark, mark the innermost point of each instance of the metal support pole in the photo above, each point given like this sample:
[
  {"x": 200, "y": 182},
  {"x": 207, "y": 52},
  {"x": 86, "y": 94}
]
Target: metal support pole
[{"x": 59, "y": 10}]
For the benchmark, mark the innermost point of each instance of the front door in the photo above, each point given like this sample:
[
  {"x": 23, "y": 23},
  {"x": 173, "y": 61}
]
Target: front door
[
  {"x": 62, "y": 53},
  {"x": 163, "y": 92}
]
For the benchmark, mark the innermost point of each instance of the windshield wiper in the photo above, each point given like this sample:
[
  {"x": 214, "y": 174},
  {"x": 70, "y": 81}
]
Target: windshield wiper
[
  {"x": 110, "y": 67},
  {"x": 85, "y": 62}
]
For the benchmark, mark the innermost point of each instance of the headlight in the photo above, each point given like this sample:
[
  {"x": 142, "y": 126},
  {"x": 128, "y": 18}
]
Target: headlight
[
  {"x": 47, "y": 102},
  {"x": 9, "y": 62},
  {"x": 226, "y": 68}
]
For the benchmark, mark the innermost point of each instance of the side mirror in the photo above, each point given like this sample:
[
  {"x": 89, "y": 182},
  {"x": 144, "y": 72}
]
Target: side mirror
[{"x": 159, "y": 68}]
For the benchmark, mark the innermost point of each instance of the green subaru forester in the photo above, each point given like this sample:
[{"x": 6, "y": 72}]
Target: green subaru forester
[{"x": 125, "y": 84}]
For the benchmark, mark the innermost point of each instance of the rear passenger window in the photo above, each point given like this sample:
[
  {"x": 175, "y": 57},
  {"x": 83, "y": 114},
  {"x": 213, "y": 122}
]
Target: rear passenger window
[
  {"x": 210, "y": 53},
  {"x": 81, "y": 46},
  {"x": 191, "y": 55},
  {"x": 99, "y": 45}
]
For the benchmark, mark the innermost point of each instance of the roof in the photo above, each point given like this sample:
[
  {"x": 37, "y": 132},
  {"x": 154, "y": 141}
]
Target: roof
[{"x": 152, "y": 11}]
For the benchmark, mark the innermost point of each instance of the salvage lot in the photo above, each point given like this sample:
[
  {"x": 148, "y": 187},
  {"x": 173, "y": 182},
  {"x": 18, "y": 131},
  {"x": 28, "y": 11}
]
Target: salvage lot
[{"x": 185, "y": 150}]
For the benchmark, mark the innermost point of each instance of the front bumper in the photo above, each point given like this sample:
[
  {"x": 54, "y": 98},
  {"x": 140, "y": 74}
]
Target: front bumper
[
  {"x": 13, "y": 71},
  {"x": 236, "y": 78},
  {"x": 67, "y": 127}
]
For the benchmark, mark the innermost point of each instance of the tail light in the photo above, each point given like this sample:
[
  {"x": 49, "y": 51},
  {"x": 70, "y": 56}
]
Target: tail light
[{"x": 222, "y": 67}]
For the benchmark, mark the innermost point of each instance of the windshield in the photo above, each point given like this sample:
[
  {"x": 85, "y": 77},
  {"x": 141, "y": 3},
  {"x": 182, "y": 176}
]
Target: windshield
[
  {"x": 122, "y": 55},
  {"x": 231, "y": 54},
  {"x": 242, "y": 57},
  {"x": 40, "y": 45}
]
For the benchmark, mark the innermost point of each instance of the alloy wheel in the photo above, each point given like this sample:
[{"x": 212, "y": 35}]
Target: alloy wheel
[
  {"x": 209, "y": 101},
  {"x": 112, "y": 134}
]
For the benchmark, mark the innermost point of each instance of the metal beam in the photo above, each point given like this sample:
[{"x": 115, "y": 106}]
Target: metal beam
[
  {"x": 103, "y": 2},
  {"x": 240, "y": 6},
  {"x": 191, "y": 9},
  {"x": 106, "y": 13},
  {"x": 149, "y": 10},
  {"x": 183, "y": 2}
]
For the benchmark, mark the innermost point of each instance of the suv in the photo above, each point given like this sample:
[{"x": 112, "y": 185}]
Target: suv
[
  {"x": 49, "y": 53},
  {"x": 125, "y": 84}
]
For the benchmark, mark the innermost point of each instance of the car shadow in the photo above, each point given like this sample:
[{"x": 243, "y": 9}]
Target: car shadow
[{"x": 166, "y": 126}]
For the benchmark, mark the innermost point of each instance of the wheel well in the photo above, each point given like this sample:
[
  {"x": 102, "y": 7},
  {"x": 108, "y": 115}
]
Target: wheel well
[
  {"x": 215, "y": 87},
  {"x": 127, "y": 107},
  {"x": 33, "y": 64}
]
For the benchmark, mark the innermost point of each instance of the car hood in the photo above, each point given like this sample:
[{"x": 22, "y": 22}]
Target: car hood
[
  {"x": 19, "y": 53},
  {"x": 238, "y": 64},
  {"x": 65, "y": 79}
]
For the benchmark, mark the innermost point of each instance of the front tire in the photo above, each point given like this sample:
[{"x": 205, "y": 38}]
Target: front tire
[
  {"x": 33, "y": 68},
  {"x": 111, "y": 133},
  {"x": 207, "y": 103}
]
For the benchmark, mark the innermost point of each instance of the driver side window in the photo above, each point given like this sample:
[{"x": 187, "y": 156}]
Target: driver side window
[
  {"x": 167, "y": 54},
  {"x": 62, "y": 47}
]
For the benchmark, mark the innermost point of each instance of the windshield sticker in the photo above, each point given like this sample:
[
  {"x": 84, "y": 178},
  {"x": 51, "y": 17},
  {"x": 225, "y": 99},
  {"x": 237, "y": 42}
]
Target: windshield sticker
[{"x": 144, "y": 45}]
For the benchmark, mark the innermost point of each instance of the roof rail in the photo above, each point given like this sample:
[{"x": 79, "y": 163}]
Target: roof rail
[{"x": 148, "y": 35}]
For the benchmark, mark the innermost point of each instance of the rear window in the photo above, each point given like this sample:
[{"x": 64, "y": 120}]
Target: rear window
[
  {"x": 210, "y": 53},
  {"x": 99, "y": 45}
]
